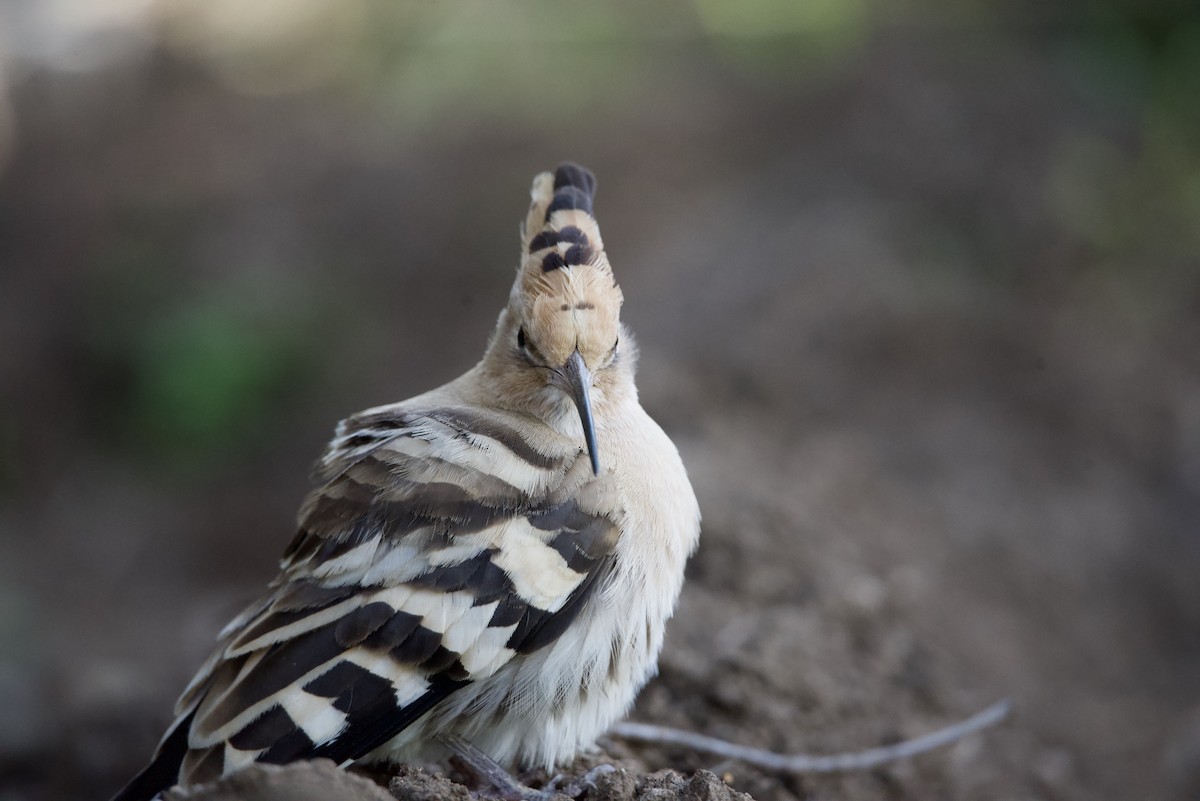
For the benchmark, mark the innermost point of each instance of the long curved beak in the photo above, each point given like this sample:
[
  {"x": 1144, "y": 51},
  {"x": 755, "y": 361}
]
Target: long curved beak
[{"x": 579, "y": 384}]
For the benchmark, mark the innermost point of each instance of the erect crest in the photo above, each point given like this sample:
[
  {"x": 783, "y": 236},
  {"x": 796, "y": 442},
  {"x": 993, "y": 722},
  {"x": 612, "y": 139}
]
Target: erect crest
[{"x": 565, "y": 293}]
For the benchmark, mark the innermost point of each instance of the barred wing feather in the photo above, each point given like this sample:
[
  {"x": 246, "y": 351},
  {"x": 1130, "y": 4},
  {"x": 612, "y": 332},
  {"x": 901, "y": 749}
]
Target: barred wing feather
[{"x": 439, "y": 545}]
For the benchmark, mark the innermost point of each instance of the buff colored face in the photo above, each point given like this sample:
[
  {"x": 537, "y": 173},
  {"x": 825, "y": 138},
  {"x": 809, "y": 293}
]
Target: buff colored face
[
  {"x": 572, "y": 326},
  {"x": 578, "y": 309}
]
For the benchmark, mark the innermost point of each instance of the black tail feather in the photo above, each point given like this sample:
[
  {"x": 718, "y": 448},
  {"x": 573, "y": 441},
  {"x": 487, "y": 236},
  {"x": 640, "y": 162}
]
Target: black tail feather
[{"x": 163, "y": 770}]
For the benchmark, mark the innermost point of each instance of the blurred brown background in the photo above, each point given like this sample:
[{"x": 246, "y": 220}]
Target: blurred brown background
[{"x": 918, "y": 291}]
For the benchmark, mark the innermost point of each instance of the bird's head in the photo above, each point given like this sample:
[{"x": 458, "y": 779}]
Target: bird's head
[{"x": 560, "y": 339}]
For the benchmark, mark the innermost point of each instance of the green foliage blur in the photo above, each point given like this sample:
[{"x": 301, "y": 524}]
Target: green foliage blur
[
  {"x": 1133, "y": 198},
  {"x": 191, "y": 360}
]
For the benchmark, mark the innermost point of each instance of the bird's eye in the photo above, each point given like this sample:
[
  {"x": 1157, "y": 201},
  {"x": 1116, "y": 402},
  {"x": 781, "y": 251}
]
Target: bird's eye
[{"x": 521, "y": 337}]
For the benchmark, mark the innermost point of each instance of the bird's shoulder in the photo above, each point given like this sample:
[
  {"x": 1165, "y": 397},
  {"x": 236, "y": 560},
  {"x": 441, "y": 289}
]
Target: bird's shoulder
[{"x": 427, "y": 475}]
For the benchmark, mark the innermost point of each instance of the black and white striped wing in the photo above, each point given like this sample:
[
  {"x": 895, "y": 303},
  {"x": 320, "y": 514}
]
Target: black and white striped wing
[{"x": 440, "y": 546}]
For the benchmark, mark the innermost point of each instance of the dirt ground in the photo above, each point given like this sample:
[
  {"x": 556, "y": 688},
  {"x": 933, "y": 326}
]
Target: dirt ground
[{"x": 947, "y": 448}]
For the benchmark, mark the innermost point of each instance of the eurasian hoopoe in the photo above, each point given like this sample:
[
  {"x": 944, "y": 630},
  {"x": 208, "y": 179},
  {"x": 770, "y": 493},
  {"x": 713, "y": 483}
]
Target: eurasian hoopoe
[{"x": 491, "y": 562}]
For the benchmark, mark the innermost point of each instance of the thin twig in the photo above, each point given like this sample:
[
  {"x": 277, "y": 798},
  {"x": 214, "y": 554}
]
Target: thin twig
[{"x": 807, "y": 763}]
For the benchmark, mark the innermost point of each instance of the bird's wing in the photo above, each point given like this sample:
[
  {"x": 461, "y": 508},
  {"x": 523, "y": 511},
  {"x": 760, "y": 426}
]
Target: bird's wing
[{"x": 440, "y": 545}]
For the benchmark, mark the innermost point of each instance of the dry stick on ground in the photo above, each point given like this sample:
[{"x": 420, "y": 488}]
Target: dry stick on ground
[{"x": 806, "y": 763}]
